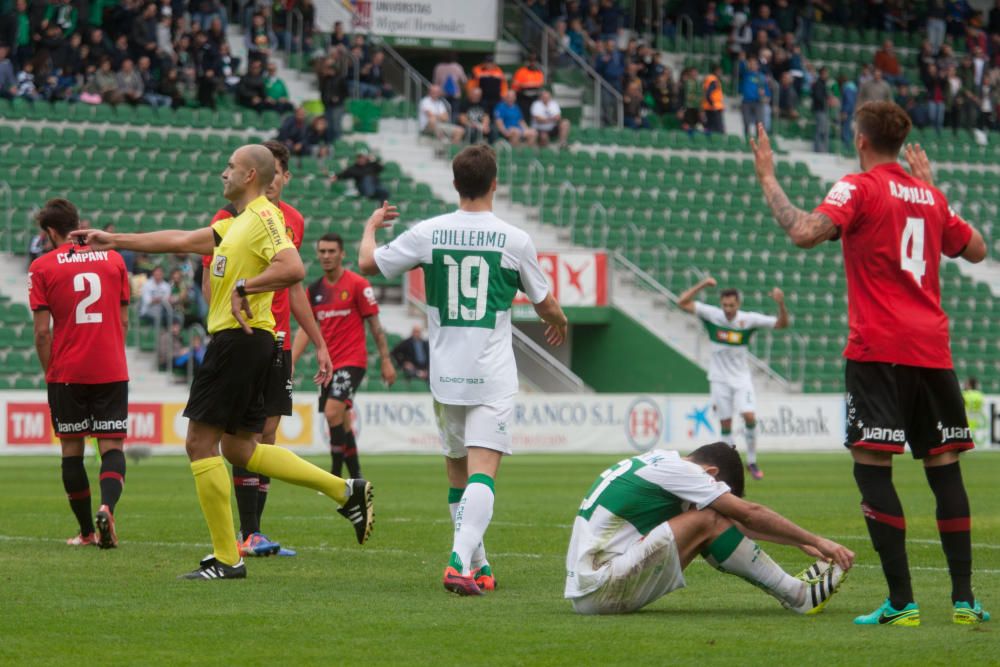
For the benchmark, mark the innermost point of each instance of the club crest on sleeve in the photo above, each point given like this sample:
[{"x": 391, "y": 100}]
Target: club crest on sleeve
[{"x": 840, "y": 193}]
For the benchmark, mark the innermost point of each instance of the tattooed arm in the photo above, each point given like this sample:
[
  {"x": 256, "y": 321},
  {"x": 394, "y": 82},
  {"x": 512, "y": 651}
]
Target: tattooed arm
[{"x": 807, "y": 230}]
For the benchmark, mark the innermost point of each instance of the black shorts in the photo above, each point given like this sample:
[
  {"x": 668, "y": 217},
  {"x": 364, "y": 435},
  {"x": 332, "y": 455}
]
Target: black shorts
[
  {"x": 692, "y": 116},
  {"x": 889, "y": 405},
  {"x": 342, "y": 385},
  {"x": 228, "y": 389},
  {"x": 81, "y": 410},
  {"x": 278, "y": 388}
]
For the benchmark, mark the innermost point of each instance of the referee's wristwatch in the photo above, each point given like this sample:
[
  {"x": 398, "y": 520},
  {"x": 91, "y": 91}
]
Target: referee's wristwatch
[{"x": 241, "y": 287}]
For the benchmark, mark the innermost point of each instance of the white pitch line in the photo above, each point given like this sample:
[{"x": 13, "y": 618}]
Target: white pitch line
[{"x": 975, "y": 545}]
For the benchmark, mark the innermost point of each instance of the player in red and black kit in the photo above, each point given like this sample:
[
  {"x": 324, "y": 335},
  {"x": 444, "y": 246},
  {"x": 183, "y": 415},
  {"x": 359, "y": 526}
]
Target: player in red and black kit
[
  {"x": 251, "y": 488},
  {"x": 86, "y": 295},
  {"x": 901, "y": 388},
  {"x": 341, "y": 300}
]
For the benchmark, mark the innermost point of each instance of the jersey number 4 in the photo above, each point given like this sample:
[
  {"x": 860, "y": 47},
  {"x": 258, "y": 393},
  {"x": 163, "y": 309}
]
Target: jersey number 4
[
  {"x": 913, "y": 241},
  {"x": 91, "y": 284}
]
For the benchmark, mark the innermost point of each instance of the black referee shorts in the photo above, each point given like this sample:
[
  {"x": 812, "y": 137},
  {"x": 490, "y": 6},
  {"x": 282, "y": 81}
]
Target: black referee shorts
[
  {"x": 228, "y": 389},
  {"x": 890, "y": 405},
  {"x": 81, "y": 410},
  {"x": 278, "y": 388}
]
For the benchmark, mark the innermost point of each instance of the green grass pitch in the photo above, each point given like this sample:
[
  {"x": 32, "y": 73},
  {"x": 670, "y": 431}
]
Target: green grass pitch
[{"x": 338, "y": 603}]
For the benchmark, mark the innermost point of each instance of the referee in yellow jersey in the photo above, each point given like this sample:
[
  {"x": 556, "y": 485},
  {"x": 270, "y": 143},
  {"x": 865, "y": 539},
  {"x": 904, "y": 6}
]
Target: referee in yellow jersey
[{"x": 251, "y": 258}]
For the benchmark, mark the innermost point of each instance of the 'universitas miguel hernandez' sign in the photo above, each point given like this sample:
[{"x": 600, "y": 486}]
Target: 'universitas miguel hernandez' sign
[{"x": 445, "y": 24}]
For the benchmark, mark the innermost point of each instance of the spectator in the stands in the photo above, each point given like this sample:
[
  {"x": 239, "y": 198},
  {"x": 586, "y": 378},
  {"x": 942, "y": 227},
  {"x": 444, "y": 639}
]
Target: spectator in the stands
[
  {"x": 578, "y": 38},
  {"x": 228, "y": 68},
  {"x": 39, "y": 245},
  {"x": 372, "y": 82},
  {"x": 170, "y": 87},
  {"x": 611, "y": 17},
  {"x": 706, "y": 22},
  {"x": 664, "y": 94},
  {"x": 104, "y": 82},
  {"x": 191, "y": 354},
  {"x": 547, "y": 120},
  {"x": 339, "y": 35},
  {"x": 887, "y": 63},
  {"x": 8, "y": 79},
  {"x": 937, "y": 12},
  {"x": 822, "y": 101},
  {"x": 260, "y": 40},
  {"x": 785, "y": 15},
  {"x": 875, "y": 90},
  {"x": 155, "y": 299},
  {"x": 713, "y": 102},
  {"x": 510, "y": 122},
  {"x": 250, "y": 92},
  {"x": 318, "y": 138},
  {"x": 753, "y": 89},
  {"x": 633, "y": 109},
  {"x": 333, "y": 93},
  {"x": 294, "y": 132},
  {"x": 528, "y": 82},
  {"x": 908, "y": 100},
  {"x": 610, "y": 63},
  {"x": 130, "y": 83},
  {"x": 412, "y": 355},
  {"x": 143, "y": 36},
  {"x": 740, "y": 37},
  {"x": 936, "y": 93},
  {"x": 275, "y": 90},
  {"x": 690, "y": 89},
  {"x": 61, "y": 13},
  {"x": 764, "y": 22},
  {"x": 216, "y": 33},
  {"x": 450, "y": 76},
  {"x": 203, "y": 12},
  {"x": 473, "y": 118},
  {"x": 149, "y": 85},
  {"x": 488, "y": 77},
  {"x": 434, "y": 117},
  {"x": 169, "y": 344},
  {"x": 965, "y": 98},
  {"x": 788, "y": 97},
  {"x": 365, "y": 174}
]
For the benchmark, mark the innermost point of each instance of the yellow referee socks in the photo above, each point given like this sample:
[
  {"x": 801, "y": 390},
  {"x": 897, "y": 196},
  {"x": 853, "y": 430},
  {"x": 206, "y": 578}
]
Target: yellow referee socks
[
  {"x": 212, "y": 482},
  {"x": 282, "y": 464}
]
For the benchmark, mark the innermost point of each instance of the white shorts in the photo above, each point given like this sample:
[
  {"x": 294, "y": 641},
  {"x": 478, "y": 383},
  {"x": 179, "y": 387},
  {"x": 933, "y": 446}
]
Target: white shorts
[
  {"x": 729, "y": 400},
  {"x": 647, "y": 571},
  {"x": 463, "y": 426}
]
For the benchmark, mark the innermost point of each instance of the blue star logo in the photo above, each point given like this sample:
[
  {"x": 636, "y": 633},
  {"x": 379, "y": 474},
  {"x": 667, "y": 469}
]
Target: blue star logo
[{"x": 699, "y": 419}]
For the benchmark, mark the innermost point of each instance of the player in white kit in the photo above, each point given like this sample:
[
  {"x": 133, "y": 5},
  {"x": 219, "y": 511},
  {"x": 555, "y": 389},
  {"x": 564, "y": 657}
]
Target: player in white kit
[
  {"x": 646, "y": 518},
  {"x": 729, "y": 332},
  {"x": 474, "y": 264}
]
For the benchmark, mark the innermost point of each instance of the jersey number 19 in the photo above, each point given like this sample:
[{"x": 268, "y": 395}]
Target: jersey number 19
[{"x": 467, "y": 288}]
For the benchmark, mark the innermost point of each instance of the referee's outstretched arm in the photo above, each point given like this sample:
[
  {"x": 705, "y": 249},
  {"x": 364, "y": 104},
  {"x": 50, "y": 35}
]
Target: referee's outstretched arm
[{"x": 199, "y": 241}]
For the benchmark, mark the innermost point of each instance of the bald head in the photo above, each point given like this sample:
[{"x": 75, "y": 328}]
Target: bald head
[{"x": 248, "y": 174}]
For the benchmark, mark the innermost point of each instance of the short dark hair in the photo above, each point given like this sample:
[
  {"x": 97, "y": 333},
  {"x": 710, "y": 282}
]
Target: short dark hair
[
  {"x": 730, "y": 291},
  {"x": 884, "y": 124},
  {"x": 474, "y": 169},
  {"x": 332, "y": 237},
  {"x": 973, "y": 383},
  {"x": 59, "y": 216},
  {"x": 279, "y": 151},
  {"x": 723, "y": 456}
]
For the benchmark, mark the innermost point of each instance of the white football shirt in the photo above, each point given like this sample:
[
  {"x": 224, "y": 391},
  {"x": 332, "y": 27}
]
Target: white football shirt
[
  {"x": 729, "y": 340},
  {"x": 474, "y": 264},
  {"x": 624, "y": 504}
]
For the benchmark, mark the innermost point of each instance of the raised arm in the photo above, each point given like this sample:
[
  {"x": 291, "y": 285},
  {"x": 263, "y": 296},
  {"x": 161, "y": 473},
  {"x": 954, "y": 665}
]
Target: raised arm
[
  {"x": 686, "y": 300},
  {"x": 764, "y": 523},
  {"x": 200, "y": 241},
  {"x": 379, "y": 219},
  {"x": 920, "y": 167},
  {"x": 806, "y": 230},
  {"x": 779, "y": 298},
  {"x": 378, "y": 333}
]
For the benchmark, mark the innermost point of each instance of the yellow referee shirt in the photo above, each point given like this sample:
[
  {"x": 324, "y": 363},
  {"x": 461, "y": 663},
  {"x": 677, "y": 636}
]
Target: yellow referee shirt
[{"x": 244, "y": 247}]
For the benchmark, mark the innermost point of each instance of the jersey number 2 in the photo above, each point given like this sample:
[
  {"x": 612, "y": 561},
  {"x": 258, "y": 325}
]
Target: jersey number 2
[
  {"x": 913, "y": 240},
  {"x": 90, "y": 283}
]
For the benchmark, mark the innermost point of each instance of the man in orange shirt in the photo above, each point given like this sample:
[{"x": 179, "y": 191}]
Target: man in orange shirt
[
  {"x": 713, "y": 104},
  {"x": 528, "y": 82},
  {"x": 488, "y": 77}
]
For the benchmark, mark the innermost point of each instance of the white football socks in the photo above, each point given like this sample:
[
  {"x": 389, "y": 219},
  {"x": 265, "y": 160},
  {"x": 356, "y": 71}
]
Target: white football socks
[
  {"x": 472, "y": 518},
  {"x": 479, "y": 555},
  {"x": 751, "y": 436},
  {"x": 749, "y": 561}
]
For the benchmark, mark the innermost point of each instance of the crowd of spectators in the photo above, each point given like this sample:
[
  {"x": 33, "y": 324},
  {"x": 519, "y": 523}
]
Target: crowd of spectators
[
  {"x": 171, "y": 53},
  {"x": 482, "y": 106}
]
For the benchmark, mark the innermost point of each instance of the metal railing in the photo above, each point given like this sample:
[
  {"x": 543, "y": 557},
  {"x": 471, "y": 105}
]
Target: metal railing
[
  {"x": 608, "y": 103},
  {"x": 564, "y": 187},
  {"x": 536, "y": 167},
  {"x": 409, "y": 83},
  {"x": 528, "y": 353}
]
